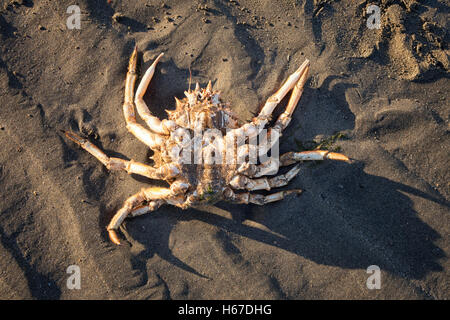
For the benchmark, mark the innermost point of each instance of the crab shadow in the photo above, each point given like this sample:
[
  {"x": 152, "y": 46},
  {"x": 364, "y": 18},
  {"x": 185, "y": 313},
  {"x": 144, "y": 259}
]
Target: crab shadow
[
  {"x": 369, "y": 220},
  {"x": 354, "y": 221}
]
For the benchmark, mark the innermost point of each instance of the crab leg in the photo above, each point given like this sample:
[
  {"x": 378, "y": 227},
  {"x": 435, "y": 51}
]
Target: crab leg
[
  {"x": 167, "y": 171},
  {"x": 243, "y": 182},
  {"x": 161, "y": 127},
  {"x": 284, "y": 119},
  {"x": 144, "y": 135},
  {"x": 292, "y": 157},
  {"x": 292, "y": 81},
  {"x": 155, "y": 197},
  {"x": 259, "y": 199},
  {"x": 271, "y": 166},
  {"x": 268, "y": 167},
  {"x": 143, "y": 209},
  {"x": 298, "y": 78}
]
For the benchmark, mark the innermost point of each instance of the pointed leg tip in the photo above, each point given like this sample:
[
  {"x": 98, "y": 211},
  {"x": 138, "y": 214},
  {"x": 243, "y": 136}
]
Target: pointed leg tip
[
  {"x": 295, "y": 191},
  {"x": 304, "y": 65},
  {"x": 133, "y": 61},
  {"x": 157, "y": 59},
  {"x": 160, "y": 56},
  {"x": 303, "y": 71},
  {"x": 113, "y": 237},
  {"x": 350, "y": 160},
  {"x": 338, "y": 156},
  {"x": 68, "y": 134},
  {"x": 74, "y": 137}
]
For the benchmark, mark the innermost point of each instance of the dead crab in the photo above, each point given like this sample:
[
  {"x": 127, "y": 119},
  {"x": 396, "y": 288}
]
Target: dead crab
[{"x": 195, "y": 183}]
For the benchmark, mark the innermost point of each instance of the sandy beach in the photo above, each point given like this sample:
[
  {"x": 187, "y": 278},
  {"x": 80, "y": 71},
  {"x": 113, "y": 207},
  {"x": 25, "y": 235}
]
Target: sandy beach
[{"x": 376, "y": 93}]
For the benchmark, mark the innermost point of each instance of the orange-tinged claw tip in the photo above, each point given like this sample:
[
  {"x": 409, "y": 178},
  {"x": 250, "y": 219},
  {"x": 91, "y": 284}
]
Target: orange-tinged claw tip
[
  {"x": 303, "y": 66},
  {"x": 133, "y": 60},
  {"x": 134, "y": 53},
  {"x": 72, "y": 136},
  {"x": 159, "y": 57},
  {"x": 113, "y": 237},
  {"x": 337, "y": 156}
]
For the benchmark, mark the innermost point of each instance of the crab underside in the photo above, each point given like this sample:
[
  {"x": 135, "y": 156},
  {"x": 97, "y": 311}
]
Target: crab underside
[{"x": 202, "y": 151}]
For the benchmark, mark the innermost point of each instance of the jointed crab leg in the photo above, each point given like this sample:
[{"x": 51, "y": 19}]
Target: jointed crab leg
[
  {"x": 134, "y": 205},
  {"x": 293, "y": 79},
  {"x": 297, "y": 79},
  {"x": 259, "y": 199},
  {"x": 273, "y": 134},
  {"x": 132, "y": 202},
  {"x": 149, "y": 138},
  {"x": 143, "y": 209},
  {"x": 156, "y": 125},
  {"x": 164, "y": 172},
  {"x": 271, "y": 166},
  {"x": 243, "y": 182},
  {"x": 284, "y": 119},
  {"x": 268, "y": 167}
]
